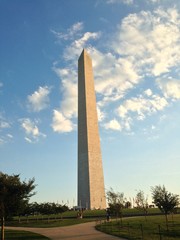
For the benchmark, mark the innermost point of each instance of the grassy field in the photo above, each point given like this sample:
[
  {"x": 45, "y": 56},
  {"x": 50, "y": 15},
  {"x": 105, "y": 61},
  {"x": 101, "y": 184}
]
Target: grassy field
[
  {"x": 68, "y": 218},
  {"x": 68, "y": 214},
  {"x": 23, "y": 235},
  {"x": 49, "y": 223},
  {"x": 86, "y": 214},
  {"x": 56, "y": 220},
  {"x": 138, "y": 228}
]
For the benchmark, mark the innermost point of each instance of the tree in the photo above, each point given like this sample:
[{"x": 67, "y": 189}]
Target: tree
[
  {"x": 14, "y": 195},
  {"x": 128, "y": 204},
  {"x": 116, "y": 202},
  {"x": 142, "y": 202},
  {"x": 44, "y": 208},
  {"x": 164, "y": 200}
]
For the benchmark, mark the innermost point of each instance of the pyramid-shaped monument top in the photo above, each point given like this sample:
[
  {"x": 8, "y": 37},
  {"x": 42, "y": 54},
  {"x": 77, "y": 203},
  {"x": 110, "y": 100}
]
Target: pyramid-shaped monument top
[{"x": 84, "y": 53}]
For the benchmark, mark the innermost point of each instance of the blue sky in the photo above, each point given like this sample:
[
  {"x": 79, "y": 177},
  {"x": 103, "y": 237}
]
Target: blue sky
[{"x": 135, "y": 49}]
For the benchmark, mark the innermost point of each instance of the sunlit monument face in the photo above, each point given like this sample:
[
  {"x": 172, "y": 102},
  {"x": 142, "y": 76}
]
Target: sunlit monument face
[{"x": 91, "y": 193}]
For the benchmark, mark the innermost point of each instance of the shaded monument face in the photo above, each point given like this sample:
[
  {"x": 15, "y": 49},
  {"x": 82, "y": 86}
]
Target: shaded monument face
[{"x": 91, "y": 193}]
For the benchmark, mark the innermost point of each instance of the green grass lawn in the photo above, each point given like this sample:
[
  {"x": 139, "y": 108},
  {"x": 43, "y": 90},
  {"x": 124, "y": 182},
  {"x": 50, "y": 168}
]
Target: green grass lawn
[
  {"x": 69, "y": 218},
  {"x": 138, "y": 228},
  {"x": 68, "y": 214},
  {"x": 23, "y": 235},
  {"x": 86, "y": 214},
  {"x": 49, "y": 223},
  {"x": 56, "y": 220}
]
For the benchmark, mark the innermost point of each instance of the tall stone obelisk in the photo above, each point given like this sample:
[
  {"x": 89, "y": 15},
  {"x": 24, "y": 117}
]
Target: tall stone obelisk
[{"x": 91, "y": 192}]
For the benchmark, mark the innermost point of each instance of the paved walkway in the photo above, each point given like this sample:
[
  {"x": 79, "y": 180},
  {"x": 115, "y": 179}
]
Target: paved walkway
[{"x": 84, "y": 231}]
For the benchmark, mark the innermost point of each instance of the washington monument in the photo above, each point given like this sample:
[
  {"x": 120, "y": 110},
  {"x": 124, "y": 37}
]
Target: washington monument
[{"x": 91, "y": 193}]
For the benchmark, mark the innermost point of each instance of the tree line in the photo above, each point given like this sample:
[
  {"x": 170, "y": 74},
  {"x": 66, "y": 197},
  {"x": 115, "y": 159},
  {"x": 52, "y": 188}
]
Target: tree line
[
  {"x": 166, "y": 201},
  {"x": 45, "y": 208}
]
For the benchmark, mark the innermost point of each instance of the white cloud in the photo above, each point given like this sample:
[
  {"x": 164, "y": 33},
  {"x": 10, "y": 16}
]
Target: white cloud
[
  {"x": 141, "y": 106},
  {"x": 73, "y": 51},
  {"x": 63, "y": 119},
  {"x": 150, "y": 40},
  {"x": 3, "y": 122},
  {"x": 1, "y": 84},
  {"x": 138, "y": 108},
  {"x": 31, "y": 129},
  {"x": 71, "y": 32},
  {"x": 28, "y": 140},
  {"x": 69, "y": 91},
  {"x": 148, "y": 92},
  {"x": 127, "y": 123},
  {"x": 122, "y": 111},
  {"x": 159, "y": 1},
  {"x": 146, "y": 46},
  {"x": 170, "y": 87},
  {"x": 78, "y": 40},
  {"x": 154, "y": 1},
  {"x": 39, "y": 100},
  {"x": 4, "y": 125},
  {"x": 153, "y": 127},
  {"x": 113, "y": 76},
  {"x": 61, "y": 123},
  {"x": 113, "y": 124},
  {"x": 120, "y": 1},
  {"x": 10, "y": 136},
  {"x": 101, "y": 114}
]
